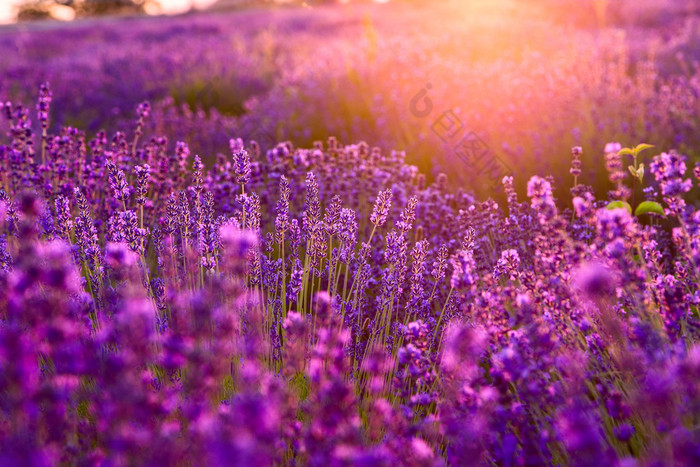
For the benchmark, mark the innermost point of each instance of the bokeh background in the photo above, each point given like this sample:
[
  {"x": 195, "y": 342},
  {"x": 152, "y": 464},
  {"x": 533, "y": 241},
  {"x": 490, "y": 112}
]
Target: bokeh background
[{"x": 527, "y": 79}]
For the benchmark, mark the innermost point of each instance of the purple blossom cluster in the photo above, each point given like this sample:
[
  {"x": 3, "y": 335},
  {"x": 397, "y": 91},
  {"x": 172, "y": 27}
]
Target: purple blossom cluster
[{"x": 329, "y": 306}]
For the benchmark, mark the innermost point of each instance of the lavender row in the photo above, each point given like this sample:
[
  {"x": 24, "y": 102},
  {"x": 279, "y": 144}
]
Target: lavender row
[{"x": 327, "y": 306}]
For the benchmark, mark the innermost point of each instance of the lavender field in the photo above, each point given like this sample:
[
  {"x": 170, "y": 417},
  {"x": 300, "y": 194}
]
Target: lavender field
[{"x": 404, "y": 234}]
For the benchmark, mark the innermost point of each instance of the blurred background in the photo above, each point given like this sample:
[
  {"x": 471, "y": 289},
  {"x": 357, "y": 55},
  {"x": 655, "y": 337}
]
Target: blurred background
[
  {"x": 478, "y": 89},
  {"x": 66, "y": 10},
  {"x": 27, "y": 10},
  {"x": 581, "y": 11}
]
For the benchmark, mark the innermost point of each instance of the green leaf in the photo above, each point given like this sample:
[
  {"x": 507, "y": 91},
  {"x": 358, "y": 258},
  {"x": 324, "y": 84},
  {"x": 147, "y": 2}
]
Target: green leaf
[
  {"x": 619, "y": 204},
  {"x": 640, "y": 172},
  {"x": 648, "y": 207},
  {"x": 642, "y": 147},
  {"x": 624, "y": 151}
]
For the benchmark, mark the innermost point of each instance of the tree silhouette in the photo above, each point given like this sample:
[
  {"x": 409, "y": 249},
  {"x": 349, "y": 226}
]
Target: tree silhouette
[{"x": 40, "y": 9}]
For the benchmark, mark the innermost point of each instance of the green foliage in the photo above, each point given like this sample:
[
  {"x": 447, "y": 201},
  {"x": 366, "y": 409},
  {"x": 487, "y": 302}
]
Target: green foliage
[
  {"x": 300, "y": 384},
  {"x": 214, "y": 94},
  {"x": 637, "y": 170},
  {"x": 619, "y": 204},
  {"x": 636, "y": 150},
  {"x": 649, "y": 207}
]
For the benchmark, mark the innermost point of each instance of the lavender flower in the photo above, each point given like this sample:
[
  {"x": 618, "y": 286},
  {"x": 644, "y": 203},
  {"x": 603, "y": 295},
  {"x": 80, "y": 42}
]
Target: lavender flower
[
  {"x": 418, "y": 255},
  {"x": 669, "y": 170},
  {"x": 613, "y": 162},
  {"x": 614, "y": 227},
  {"x": 347, "y": 232},
  {"x": 440, "y": 264},
  {"x": 575, "y": 170},
  {"x": 64, "y": 220},
  {"x": 464, "y": 272},
  {"x": 511, "y": 195},
  {"x": 508, "y": 264},
  {"x": 241, "y": 166},
  {"x": 594, "y": 279},
  {"x": 282, "y": 219},
  {"x": 117, "y": 182},
  {"x": 44, "y": 105},
  {"x": 312, "y": 213},
  {"x": 332, "y": 216},
  {"x": 408, "y": 216},
  {"x": 236, "y": 241},
  {"x": 142, "y": 111},
  {"x": 197, "y": 179},
  {"x": 541, "y": 199},
  {"x": 381, "y": 208},
  {"x": 143, "y": 175}
]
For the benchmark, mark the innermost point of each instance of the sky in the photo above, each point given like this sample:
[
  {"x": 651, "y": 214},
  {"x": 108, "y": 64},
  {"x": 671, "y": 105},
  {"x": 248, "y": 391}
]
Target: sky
[{"x": 168, "y": 6}]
